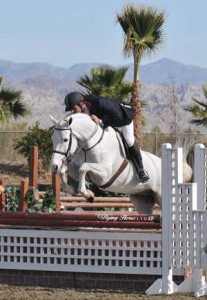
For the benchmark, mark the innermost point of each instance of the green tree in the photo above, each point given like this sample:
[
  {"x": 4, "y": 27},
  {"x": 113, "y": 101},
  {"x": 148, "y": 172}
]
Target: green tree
[
  {"x": 199, "y": 109},
  {"x": 11, "y": 104},
  {"x": 107, "y": 82},
  {"x": 143, "y": 34},
  {"x": 36, "y": 137}
]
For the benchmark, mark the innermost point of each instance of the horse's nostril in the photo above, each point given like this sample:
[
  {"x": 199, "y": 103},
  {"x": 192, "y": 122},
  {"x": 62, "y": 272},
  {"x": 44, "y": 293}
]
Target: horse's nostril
[{"x": 68, "y": 159}]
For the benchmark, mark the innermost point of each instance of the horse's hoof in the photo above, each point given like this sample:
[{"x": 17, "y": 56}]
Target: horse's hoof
[{"x": 90, "y": 199}]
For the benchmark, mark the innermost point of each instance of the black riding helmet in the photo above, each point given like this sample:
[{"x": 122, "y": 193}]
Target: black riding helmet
[{"x": 72, "y": 99}]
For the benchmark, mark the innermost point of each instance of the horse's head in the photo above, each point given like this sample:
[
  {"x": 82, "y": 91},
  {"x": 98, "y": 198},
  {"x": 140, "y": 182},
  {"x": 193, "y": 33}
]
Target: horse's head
[
  {"x": 69, "y": 137},
  {"x": 65, "y": 144}
]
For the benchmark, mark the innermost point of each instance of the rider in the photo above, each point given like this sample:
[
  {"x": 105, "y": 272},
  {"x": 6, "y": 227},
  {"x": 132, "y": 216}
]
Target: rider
[{"x": 112, "y": 113}]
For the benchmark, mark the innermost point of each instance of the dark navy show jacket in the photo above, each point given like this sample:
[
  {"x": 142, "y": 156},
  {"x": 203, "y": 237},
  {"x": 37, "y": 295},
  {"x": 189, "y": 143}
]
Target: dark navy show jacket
[{"x": 112, "y": 112}]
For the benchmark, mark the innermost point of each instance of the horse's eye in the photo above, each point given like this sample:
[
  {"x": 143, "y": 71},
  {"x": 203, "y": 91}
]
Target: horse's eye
[{"x": 65, "y": 140}]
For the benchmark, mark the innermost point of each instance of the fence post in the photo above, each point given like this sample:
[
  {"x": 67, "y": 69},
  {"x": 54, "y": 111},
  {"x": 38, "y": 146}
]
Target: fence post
[
  {"x": 2, "y": 196},
  {"x": 56, "y": 190},
  {"x": 200, "y": 174},
  {"x": 171, "y": 176},
  {"x": 33, "y": 167},
  {"x": 23, "y": 190}
]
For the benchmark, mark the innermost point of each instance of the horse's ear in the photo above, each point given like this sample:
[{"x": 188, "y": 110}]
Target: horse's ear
[
  {"x": 54, "y": 121},
  {"x": 70, "y": 121}
]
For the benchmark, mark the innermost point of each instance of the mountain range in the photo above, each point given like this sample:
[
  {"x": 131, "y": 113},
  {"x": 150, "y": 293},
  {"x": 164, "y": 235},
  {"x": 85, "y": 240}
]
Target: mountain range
[
  {"x": 44, "y": 87},
  {"x": 164, "y": 71}
]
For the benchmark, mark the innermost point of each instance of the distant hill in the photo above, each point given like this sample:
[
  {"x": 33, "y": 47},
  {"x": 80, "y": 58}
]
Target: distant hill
[
  {"x": 44, "y": 87},
  {"x": 164, "y": 71}
]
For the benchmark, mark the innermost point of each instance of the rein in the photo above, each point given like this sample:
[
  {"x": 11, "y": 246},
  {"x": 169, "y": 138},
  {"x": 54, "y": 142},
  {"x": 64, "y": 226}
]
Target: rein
[{"x": 85, "y": 150}]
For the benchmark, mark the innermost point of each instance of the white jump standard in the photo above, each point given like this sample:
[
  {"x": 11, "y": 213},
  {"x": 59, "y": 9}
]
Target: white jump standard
[{"x": 184, "y": 223}]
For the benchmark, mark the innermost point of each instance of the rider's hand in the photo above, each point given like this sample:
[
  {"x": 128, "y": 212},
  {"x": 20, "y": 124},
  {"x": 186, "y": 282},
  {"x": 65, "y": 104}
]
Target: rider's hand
[{"x": 95, "y": 119}]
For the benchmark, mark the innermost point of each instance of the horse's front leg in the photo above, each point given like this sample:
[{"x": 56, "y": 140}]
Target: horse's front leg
[
  {"x": 64, "y": 181},
  {"x": 96, "y": 171},
  {"x": 73, "y": 172}
]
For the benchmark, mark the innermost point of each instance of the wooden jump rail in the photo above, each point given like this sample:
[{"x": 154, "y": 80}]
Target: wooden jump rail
[
  {"x": 97, "y": 199},
  {"x": 99, "y": 202},
  {"x": 94, "y": 219},
  {"x": 98, "y": 205},
  {"x": 77, "y": 219}
]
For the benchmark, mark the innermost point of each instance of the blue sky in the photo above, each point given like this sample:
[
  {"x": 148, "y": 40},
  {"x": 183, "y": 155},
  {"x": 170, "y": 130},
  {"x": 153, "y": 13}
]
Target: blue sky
[{"x": 67, "y": 32}]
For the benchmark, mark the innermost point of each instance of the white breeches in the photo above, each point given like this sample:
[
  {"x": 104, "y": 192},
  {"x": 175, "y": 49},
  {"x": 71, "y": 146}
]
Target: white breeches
[{"x": 128, "y": 133}]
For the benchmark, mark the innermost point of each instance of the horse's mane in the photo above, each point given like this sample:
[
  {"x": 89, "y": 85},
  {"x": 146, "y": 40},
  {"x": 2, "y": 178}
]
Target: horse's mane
[{"x": 75, "y": 116}]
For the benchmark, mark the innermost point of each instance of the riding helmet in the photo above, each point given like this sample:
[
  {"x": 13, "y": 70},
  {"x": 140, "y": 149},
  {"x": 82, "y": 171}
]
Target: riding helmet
[{"x": 72, "y": 99}]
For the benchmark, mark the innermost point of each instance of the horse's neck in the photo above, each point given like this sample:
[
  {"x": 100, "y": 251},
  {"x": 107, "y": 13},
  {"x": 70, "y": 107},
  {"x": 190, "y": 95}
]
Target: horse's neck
[{"x": 84, "y": 128}]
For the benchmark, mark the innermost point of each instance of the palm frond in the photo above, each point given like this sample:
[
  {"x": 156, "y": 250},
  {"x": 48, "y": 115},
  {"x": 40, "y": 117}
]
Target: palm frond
[
  {"x": 18, "y": 109},
  {"x": 204, "y": 89},
  {"x": 143, "y": 29},
  {"x": 107, "y": 82},
  {"x": 11, "y": 104},
  {"x": 201, "y": 103}
]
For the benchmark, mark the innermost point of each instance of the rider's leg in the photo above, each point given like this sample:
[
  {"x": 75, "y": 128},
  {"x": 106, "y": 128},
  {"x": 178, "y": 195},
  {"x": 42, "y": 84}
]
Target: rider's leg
[
  {"x": 134, "y": 151},
  {"x": 136, "y": 156}
]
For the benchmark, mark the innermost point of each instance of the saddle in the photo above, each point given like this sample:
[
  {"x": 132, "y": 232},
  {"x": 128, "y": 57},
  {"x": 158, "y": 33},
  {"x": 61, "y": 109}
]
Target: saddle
[{"x": 123, "y": 143}]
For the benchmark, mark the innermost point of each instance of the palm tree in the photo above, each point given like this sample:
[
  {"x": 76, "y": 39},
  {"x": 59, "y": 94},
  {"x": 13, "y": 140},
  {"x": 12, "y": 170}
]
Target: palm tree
[
  {"x": 11, "y": 104},
  {"x": 143, "y": 34},
  {"x": 107, "y": 82},
  {"x": 199, "y": 109}
]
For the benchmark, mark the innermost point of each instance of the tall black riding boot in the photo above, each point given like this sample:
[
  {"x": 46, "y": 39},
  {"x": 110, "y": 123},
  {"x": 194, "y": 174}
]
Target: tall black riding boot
[{"x": 136, "y": 157}]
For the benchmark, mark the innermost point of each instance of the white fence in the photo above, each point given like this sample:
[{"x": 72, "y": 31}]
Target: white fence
[
  {"x": 81, "y": 251},
  {"x": 180, "y": 245}
]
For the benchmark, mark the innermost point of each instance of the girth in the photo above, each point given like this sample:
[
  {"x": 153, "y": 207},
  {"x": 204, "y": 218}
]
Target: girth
[{"x": 114, "y": 177}]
